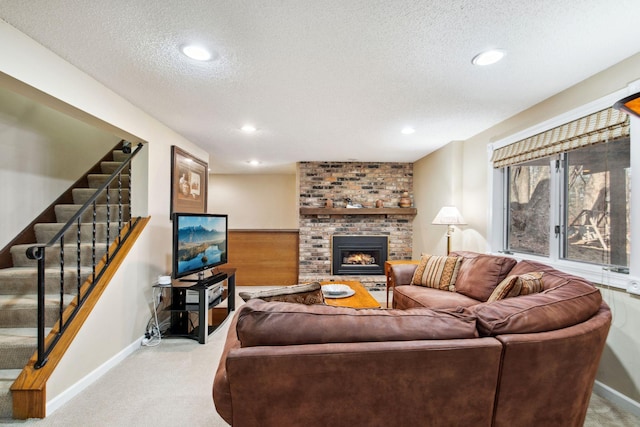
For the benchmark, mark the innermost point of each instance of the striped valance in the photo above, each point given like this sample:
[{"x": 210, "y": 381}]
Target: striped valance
[{"x": 598, "y": 127}]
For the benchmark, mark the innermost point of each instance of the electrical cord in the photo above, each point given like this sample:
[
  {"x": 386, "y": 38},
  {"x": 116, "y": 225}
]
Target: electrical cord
[{"x": 153, "y": 336}]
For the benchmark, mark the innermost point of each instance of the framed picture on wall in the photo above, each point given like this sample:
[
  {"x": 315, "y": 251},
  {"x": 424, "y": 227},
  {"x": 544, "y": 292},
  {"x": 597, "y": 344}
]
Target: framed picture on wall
[{"x": 188, "y": 182}]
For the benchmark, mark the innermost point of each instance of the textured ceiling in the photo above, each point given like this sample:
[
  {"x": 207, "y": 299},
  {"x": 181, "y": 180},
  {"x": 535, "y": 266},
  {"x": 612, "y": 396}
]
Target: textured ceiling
[{"x": 331, "y": 80}]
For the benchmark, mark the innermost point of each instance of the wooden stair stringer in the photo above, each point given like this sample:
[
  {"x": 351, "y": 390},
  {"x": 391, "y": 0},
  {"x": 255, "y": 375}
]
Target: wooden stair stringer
[{"x": 29, "y": 389}]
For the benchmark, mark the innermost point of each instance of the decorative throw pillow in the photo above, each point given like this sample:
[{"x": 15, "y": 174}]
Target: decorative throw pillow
[
  {"x": 307, "y": 293},
  {"x": 514, "y": 285},
  {"x": 438, "y": 272},
  {"x": 531, "y": 283},
  {"x": 509, "y": 287}
]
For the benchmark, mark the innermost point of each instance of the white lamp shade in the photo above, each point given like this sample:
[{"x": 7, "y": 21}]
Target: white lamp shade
[{"x": 449, "y": 215}]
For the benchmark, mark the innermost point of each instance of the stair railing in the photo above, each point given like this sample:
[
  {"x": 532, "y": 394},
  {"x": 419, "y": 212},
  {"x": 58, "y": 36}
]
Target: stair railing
[{"x": 37, "y": 252}]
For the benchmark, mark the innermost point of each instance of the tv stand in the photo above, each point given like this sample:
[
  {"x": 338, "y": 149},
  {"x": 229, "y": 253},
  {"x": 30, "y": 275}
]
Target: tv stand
[
  {"x": 216, "y": 276},
  {"x": 182, "y": 323}
]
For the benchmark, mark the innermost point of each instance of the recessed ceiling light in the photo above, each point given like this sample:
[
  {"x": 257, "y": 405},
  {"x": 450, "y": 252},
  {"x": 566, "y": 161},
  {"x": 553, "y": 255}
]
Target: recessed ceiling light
[
  {"x": 248, "y": 128},
  {"x": 408, "y": 130},
  {"x": 254, "y": 162},
  {"x": 488, "y": 57},
  {"x": 198, "y": 53}
]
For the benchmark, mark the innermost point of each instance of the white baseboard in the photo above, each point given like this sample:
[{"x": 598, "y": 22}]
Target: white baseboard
[
  {"x": 617, "y": 398},
  {"x": 90, "y": 378}
]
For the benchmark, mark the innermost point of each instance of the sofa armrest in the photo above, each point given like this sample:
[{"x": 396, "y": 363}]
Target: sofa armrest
[
  {"x": 401, "y": 274},
  {"x": 221, "y": 388}
]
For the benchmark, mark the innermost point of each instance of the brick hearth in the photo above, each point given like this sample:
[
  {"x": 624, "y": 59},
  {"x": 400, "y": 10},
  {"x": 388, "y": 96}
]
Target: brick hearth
[{"x": 363, "y": 183}]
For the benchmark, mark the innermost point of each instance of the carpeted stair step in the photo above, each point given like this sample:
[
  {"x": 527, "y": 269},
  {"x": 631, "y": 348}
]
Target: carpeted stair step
[
  {"x": 22, "y": 312},
  {"x": 24, "y": 280},
  {"x": 17, "y": 345},
  {"x": 52, "y": 255},
  {"x": 65, "y": 212},
  {"x": 110, "y": 167},
  {"x": 81, "y": 195},
  {"x": 7, "y": 377},
  {"x": 96, "y": 180},
  {"x": 120, "y": 156},
  {"x": 47, "y": 231}
]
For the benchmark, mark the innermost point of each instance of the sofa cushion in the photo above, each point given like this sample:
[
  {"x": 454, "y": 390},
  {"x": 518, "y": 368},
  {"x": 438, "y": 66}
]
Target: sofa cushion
[
  {"x": 263, "y": 323},
  {"x": 513, "y": 285},
  {"x": 480, "y": 274},
  {"x": 438, "y": 272},
  {"x": 308, "y": 293},
  {"x": 565, "y": 305},
  {"x": 418, "y": 296}
]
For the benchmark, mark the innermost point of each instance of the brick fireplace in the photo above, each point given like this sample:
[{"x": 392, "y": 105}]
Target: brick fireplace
[{"x": 362, "y": 183}]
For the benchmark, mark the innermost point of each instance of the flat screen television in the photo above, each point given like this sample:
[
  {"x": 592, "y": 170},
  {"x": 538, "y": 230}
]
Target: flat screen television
[{"x": 199, "y": 243}]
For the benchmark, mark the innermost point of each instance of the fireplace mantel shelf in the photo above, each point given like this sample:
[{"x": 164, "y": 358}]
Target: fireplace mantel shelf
[{"x": 358, "y": 211}]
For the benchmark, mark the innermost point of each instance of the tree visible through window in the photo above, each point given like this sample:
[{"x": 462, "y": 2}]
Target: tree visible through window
[{"x": 528, "y": 224}]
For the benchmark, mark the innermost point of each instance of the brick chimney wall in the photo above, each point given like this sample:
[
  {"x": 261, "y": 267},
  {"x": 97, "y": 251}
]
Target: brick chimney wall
[{"x": 363, "y": 183}]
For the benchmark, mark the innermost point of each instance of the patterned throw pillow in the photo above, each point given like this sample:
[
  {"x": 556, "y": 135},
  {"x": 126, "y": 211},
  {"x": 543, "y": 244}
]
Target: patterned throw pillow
[
  {"x": 307, "y": 293},
  {"x": 509, "y": 287},
  {"x": 531, "y": 283},
  {"x": 438, "y": 272},
  {"x": 512, "y": 286}
]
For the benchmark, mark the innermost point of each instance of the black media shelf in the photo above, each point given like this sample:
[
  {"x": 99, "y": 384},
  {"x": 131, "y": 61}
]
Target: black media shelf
[{"x": 183, "y": 323}]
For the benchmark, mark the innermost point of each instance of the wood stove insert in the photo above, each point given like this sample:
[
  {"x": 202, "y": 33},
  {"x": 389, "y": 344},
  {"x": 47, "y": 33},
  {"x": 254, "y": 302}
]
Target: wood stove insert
[{"x": 358, "y": 255}]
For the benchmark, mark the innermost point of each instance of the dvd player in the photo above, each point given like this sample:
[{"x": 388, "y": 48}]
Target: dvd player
[{"x": 212, "y": 293}]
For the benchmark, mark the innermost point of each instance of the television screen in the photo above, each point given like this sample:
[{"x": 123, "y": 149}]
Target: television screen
[{"x": 199, "y": 242}]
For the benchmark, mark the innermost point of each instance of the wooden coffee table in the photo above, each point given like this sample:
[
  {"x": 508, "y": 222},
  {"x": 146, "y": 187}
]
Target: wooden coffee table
[{"x": 361, "y": 299}]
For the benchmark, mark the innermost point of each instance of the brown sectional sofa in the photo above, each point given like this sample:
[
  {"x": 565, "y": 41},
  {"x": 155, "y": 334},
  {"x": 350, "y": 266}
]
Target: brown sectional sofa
[{"x": 439, "y": 358}]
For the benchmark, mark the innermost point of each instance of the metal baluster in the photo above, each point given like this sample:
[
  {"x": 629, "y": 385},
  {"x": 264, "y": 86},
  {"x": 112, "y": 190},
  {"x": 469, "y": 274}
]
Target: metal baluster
[
  {"x": 61, "y": 304},
  {"x": 38, "y": 254},
  {"x": 78, "y": 256},
  {"x": 93, "y": 243},
  {"x": 130, "y": 193},
  {"x": 119, "y": 207},
  {"x": 108, "y": 220}
]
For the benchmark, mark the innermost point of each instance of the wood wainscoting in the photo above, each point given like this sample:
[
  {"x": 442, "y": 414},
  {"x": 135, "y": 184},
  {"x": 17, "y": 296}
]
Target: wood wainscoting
[{"x": 264, "y": 257}]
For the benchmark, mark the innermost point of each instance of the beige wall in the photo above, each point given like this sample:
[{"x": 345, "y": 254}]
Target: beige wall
[
  {"x": 437, "y": 182},
  {"x": 119, "y": 319},
  {"x": 255, "y": 201},
  {"x": 620, "y": 367},
  {"x": 43, "y": 153}
]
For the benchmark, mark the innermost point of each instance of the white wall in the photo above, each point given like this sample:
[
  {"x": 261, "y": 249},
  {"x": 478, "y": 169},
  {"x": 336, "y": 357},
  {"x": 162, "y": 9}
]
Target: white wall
[
  {"x": 43, "y": 153},
  {"x": 619, "y": 370},
  {"x": 255, "y": 201},
  {"x": 121, "y": 315}
]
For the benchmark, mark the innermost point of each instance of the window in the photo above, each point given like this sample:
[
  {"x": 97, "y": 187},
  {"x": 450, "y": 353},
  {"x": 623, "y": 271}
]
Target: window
[
  {"x": 565, "y": 192},
  {"x": 597, "y": 215}
]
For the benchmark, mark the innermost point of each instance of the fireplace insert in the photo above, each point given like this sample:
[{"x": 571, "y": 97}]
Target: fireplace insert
[{"x": 359, "y": 255}]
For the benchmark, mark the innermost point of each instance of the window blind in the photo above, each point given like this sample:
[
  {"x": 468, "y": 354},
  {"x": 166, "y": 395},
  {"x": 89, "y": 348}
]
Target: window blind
[{"x": 595, "y": 128}]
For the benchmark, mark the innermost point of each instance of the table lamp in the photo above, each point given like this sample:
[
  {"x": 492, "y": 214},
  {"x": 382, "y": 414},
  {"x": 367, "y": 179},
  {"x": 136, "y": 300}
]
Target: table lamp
[{"x": 449, "y": 216}]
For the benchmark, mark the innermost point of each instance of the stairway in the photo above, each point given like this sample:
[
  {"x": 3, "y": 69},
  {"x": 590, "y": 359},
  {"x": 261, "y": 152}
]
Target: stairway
[{"x": 18, "y": 284}]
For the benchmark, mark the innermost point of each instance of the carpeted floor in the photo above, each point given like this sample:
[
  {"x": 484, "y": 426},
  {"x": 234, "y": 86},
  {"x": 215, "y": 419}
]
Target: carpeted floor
[{"x": 170, "y": 385}]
